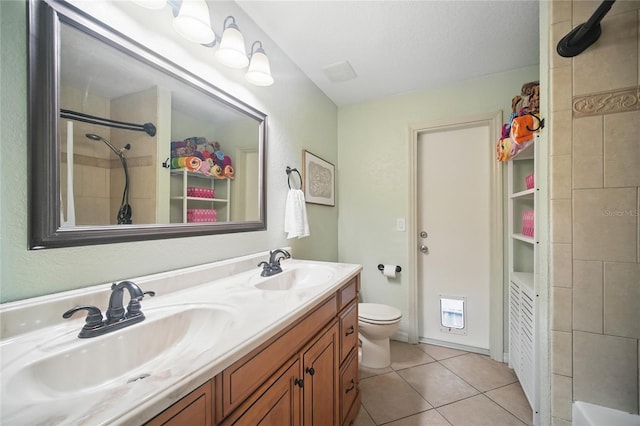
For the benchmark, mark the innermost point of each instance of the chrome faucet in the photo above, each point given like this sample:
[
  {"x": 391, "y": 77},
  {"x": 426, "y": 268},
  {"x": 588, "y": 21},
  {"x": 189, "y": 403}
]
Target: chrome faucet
[
  {"x": 116, "y": 316},
  {"x": 273, "y": 266}
]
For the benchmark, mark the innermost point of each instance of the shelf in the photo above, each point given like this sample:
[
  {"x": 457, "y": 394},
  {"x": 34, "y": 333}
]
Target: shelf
[
  {"x": 181, "y": 186},
  {"x": 180, "y": 197},
  {"x": 526, "y": 194},
  {"x": 523, "y": 279},
  {"x": 523, "y": 238},
  {"x": 527, "y": 153}
]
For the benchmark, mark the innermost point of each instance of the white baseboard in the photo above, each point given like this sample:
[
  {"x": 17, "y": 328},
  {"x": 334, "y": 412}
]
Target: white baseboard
[{"x": 454, "y": 346}]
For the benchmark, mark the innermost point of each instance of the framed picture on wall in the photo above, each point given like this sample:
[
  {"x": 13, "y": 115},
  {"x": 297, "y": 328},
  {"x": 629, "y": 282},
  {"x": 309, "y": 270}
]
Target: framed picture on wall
[{"x": 319, "y": 180}]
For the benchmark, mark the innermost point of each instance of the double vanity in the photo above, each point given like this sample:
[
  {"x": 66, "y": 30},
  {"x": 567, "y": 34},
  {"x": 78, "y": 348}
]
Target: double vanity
[{"x": 219, "y": 344}]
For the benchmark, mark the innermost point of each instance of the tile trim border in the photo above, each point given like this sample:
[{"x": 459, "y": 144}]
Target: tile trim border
[{"x": 610, "y": 102}]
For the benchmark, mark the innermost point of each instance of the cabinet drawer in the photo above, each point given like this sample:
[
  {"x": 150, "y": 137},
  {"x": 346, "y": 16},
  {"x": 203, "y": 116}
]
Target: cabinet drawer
[
  {"x": 276, "y": 403},
  {"x": 349, "y": 386},
  {"x": 243, "y": 377},
  {"x": 348, "y": 293},
  {"x": 348, "y": 330}
]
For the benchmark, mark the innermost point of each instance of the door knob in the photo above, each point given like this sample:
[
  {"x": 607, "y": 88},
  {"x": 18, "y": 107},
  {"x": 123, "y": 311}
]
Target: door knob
[{"x": 424, "y": 249}]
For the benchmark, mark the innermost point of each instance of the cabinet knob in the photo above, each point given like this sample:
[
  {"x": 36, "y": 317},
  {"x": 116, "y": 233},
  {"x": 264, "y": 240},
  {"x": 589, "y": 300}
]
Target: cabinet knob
[
  {"x": 299, "y": 382},
  {"x": 311, "y": 371},
  {"x": 350, "y": 330}
]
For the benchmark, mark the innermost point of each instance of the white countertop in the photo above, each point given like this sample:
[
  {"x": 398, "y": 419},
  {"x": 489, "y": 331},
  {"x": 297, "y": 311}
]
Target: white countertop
[{"x": 257, "y": 316}]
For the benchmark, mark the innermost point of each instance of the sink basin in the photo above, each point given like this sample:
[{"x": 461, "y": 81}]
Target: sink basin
[
  {"x": 301, "y": 277},
  {"x": 127, "y": 355}
]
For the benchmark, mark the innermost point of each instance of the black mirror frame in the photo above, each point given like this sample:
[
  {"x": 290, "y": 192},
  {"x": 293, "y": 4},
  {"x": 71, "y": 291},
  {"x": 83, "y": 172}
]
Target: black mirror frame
[{"x": 44, "y": 19}]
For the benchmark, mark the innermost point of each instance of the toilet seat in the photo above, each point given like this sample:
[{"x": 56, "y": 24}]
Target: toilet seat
[{"x": 375, "y": 313}]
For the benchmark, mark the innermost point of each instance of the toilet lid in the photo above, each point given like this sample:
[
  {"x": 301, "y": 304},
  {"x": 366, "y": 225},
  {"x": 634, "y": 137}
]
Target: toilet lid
[{"x": 378, "y": 312}]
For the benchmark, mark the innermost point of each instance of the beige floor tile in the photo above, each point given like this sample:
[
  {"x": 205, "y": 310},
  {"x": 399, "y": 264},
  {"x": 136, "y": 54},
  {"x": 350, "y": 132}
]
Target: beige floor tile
[
  {"x": 436, "y": 384},
  {"x": 366, "y": 372},
  {"x": 404, "y": 355},
  {"x": 513, "y": 399},
  {"x": 388, "y": 397},
  {"x": 478, "y": 410},
  {"x": 363, "y": 418},
  {"x": 440, "y": 352},
  {"x": 481, "y": 371},
  {"x": 426, "y": 418}
]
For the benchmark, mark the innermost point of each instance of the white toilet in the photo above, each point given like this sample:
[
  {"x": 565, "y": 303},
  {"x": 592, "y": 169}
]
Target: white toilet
[{"x": 377, "y": 323}]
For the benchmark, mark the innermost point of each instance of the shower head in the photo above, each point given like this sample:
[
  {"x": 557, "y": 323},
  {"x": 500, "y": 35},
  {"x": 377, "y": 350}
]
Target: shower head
[{"x": 118, "y": 152}]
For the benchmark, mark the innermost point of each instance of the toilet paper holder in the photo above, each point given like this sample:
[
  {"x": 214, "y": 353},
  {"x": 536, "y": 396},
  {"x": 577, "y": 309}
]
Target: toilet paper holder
[{"x": 381, "y": 268}]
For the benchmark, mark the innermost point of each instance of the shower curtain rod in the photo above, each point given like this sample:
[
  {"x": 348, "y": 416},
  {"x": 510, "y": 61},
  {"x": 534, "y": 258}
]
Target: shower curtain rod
[{"x": 148, "y": 128}]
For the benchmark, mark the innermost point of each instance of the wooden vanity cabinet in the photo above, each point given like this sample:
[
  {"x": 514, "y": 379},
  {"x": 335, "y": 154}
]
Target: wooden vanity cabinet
[
  {"x": 305, "y": 375},
  {"x": 195, "y": 409}
]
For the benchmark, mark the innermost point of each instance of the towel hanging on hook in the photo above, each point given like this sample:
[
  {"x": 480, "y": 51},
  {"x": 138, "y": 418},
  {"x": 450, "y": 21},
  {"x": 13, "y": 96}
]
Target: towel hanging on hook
[
  {"x": 289, "y": 170},
  {"x": 296, "y": 223}
]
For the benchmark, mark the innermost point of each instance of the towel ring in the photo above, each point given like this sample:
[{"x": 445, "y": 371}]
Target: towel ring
[{"x": 289, "y": 170}]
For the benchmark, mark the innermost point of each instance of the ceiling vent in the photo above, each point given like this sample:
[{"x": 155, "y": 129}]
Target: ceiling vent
[{"x": 342, "y": 71}]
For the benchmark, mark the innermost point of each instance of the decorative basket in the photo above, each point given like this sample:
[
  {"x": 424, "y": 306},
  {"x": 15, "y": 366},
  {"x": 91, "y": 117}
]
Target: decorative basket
[
  {"x": 529, "y": 182},
  {"x": 194, "y": 191},
  {"x": 201, "y": 215},
  {"x": 527, "y": 223}
]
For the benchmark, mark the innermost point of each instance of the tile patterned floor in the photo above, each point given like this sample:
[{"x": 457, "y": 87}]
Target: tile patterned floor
[{"x": 433, "y": 385}]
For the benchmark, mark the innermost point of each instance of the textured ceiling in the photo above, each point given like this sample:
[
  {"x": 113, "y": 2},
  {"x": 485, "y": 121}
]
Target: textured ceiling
[{"x": 397, "y": 46}]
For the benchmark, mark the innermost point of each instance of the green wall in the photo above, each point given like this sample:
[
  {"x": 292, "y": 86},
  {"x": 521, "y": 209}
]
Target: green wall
[{"x": 373, "y": 164}]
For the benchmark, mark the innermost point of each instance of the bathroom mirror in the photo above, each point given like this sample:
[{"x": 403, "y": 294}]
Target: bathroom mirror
[{"x": 125, "y": 145}]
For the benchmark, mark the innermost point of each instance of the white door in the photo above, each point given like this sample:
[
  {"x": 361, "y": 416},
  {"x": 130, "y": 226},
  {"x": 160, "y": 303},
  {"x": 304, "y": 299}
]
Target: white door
[{"x": 454, "y": 261}]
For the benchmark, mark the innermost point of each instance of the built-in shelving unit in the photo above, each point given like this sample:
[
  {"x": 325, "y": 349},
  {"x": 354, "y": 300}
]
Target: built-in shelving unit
[
  {"x": 522, "y": 260},
  {"x": 183, "y": 179}
]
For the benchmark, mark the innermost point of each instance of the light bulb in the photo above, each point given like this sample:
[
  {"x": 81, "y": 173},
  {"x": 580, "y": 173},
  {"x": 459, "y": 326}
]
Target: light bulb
[
  {"x": 193, "y": 22},
  {"x": 259, "y": 72},
  {"x": 231, "y": 51}
]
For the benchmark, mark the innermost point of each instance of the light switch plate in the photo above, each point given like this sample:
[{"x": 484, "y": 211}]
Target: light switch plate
[{"x": 401, "y": 224}]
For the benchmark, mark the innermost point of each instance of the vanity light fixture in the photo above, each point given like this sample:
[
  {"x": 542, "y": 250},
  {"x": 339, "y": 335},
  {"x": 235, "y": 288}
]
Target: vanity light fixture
[
  {"x": 259, "y": 72},
  {"x": 193, "y": 22},
  {"x": 231, "y": 51}
]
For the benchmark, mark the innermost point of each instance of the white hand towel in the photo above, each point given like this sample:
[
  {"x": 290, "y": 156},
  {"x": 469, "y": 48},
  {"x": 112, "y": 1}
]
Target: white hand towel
[{"x": 296, "y": 223}]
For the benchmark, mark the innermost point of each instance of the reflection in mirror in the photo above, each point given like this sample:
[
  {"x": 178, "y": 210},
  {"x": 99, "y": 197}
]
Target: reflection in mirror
[{"x": 141, "y": 149}]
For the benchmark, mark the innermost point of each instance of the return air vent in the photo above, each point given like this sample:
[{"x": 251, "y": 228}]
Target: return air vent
[{"x": 342, "y": 71}]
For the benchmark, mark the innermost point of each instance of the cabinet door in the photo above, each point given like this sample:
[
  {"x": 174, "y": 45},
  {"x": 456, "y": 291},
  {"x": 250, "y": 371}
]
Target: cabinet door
[
  {"x": 321, "y": 369},
  {"x": 195, "y": 409},
  {"x": 279, "y": 405}
]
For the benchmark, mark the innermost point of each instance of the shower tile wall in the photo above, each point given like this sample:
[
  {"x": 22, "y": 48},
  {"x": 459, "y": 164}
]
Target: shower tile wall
[
  {"x": 595, "y": 202},
  {"x": 92, "y": 164},
  {"x": 98, "y": 176},
  {"x": 140, "y": 107}
]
